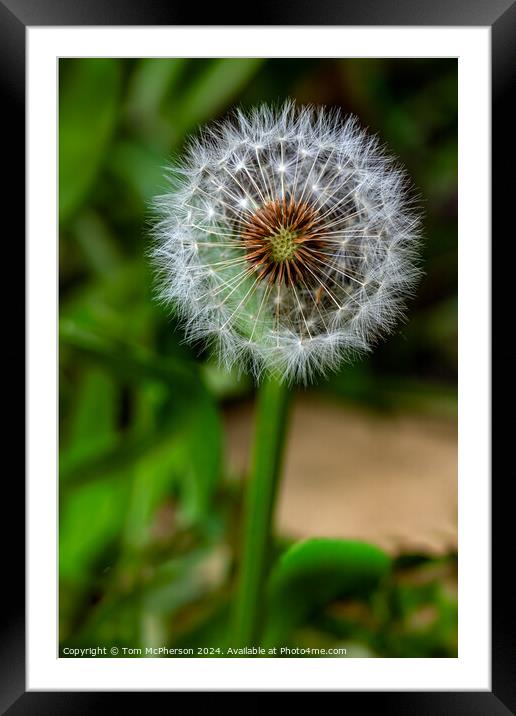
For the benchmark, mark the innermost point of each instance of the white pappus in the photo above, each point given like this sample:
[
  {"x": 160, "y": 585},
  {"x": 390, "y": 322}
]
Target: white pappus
[{"x": 288, "y": 240}]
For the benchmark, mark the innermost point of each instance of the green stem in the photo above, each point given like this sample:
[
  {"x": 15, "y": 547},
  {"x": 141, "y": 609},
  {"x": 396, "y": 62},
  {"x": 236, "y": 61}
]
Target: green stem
[{"x": 271, "y": 419}]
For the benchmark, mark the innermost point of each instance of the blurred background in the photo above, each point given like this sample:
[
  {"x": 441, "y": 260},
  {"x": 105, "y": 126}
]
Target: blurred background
[{"x": 154, "y": 438}]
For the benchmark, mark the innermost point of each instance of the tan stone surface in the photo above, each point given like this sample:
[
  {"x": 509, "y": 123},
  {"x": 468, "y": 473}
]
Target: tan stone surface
[{"x": 389, "y": 479}]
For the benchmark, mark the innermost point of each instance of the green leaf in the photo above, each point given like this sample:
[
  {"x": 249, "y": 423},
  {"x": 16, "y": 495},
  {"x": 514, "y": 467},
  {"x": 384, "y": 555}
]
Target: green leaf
[
  {"x": 313, "y": 573},
  {"x": 152, "y": 79},
  {"x": 98, "y": 246},
  {"x": 92, "y": 422},
  {"x": 188, "y": 460},
  {"x": 201, "y": 454},
  {"x": 91, "y": 519},
  {"x": 126, "y": 360},
  {"x": 101, "y": 306},
  {"x": 88, "y": 102},
  {"x": 95, "y": 406},
  {"x": 215, "y": 88}
]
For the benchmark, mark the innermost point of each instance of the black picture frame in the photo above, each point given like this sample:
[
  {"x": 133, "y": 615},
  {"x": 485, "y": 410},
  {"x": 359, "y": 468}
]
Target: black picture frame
[{"x": 15, "y": 17}]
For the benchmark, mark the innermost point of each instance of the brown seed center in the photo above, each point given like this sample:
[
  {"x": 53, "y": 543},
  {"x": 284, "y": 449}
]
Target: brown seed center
[{"x": 285, "y": 242}]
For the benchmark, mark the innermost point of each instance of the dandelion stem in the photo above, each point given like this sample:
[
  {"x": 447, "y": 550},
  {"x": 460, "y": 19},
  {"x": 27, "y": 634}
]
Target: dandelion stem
[{"x": 270, "y": 431}]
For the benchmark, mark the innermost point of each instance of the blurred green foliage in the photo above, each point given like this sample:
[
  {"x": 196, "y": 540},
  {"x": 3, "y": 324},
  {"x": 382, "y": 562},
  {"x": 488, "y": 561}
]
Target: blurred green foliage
[{"x": 148, "y": 536}]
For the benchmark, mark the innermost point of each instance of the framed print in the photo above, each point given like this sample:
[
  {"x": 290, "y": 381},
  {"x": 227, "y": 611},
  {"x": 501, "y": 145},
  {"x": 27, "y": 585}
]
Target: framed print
[{"x": 258, "y": 355}]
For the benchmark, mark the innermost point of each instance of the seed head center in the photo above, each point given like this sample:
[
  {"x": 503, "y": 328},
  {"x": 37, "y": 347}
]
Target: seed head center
[
  {"x": 282, "y": 245},
  {"x": 285, "y": 241}
]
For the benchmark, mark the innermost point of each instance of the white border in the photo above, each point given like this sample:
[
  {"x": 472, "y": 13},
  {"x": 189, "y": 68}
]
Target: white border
[{"x": 471, "y": 669}]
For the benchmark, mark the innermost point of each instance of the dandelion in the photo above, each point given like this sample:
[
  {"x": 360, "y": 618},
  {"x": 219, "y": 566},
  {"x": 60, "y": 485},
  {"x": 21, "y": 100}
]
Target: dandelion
[{"x": 287, "y": 240}]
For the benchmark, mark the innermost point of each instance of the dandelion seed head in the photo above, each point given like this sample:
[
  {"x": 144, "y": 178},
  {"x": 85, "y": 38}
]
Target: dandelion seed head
[{"x": 289, "y": 240}]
